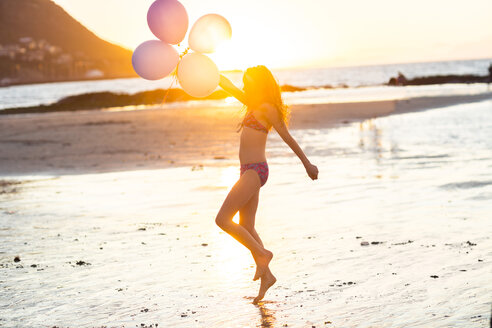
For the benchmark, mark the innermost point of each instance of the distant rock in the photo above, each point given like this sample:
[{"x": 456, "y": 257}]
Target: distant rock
[
  {"x": 291, "y": 88},
  {"x": 98, "y": 100},
  {"x": 439, "y": 79}
]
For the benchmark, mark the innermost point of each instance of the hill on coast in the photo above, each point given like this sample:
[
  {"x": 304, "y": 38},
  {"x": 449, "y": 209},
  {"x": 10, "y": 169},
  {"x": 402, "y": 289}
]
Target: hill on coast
[{"x": 40, "y": 42}]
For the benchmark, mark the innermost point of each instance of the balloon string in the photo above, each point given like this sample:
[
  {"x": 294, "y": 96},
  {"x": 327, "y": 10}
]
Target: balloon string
[
  {"x": 175, "y": 74},
  {"x": 184, "y": 53},
  {"x": 167, "y": 91}
]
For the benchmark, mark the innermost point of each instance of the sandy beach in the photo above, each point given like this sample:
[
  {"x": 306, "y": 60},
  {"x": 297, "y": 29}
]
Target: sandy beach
[
  {"x": 107, "y": 218},
  {"x": 103, "y": 141}
]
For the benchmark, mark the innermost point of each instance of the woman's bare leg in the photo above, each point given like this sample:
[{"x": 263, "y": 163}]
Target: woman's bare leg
[
  {"x": 247, "y": 185},
  {"x": 247, "y": 216}
]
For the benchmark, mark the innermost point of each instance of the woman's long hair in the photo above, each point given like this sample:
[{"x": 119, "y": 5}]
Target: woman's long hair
[{"x": 260, "y": 86}]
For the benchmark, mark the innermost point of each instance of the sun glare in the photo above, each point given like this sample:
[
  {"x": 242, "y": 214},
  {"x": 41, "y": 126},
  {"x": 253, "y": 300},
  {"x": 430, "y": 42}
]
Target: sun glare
[
  {"x": 229, "y": 176},
  {"x": 329, "y": 33},
  {"x": 231, "y": 100},
  {"x": 230, "y": 55}
]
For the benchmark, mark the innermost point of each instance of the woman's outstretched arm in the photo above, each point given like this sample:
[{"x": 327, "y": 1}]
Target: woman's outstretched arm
[
  {"x": 279, "y": 125},
  {"x": 229, "y": 87}
]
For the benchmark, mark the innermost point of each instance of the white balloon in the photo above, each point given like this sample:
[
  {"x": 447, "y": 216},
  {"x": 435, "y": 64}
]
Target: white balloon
[
  {"x": 198, "y": 75},
  {"x": 208, "y": 32}
]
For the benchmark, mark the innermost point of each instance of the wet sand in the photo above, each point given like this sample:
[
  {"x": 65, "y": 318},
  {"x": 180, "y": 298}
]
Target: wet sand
[
  {"x": 395, "y": 233},
  {"x": 105, "y": 141}
]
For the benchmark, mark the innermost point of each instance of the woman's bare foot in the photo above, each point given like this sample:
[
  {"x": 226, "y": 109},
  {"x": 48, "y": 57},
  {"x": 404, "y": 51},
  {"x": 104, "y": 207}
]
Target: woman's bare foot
[
  {"x": 267, "y": 281},
  {"x": 262, "y": 262},
  {"x": 257, "y": 274}
]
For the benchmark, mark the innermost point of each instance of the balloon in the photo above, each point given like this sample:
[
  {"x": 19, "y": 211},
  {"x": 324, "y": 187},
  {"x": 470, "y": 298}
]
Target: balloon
[
  {"x": 168, "y": 20},
  {"x": 198, "y": 75},
  {"x": 154, "y": 59},
  {"x": 208, "y": 32}
]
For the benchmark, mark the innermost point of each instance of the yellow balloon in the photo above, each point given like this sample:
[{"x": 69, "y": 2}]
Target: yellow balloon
[
  {"x": 208, "y": 32},
  {"x": 198, "y": 75}
]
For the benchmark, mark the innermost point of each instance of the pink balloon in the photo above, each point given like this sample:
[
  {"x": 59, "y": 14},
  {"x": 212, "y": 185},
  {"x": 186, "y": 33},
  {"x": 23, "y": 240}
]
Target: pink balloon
[
  {"x": 208, "y": 32},
  {"x": 154, "y": 59},
  {"x": 168, "y": 20}
]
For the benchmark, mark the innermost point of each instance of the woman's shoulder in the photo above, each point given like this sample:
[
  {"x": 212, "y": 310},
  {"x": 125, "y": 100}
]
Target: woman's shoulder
[
  {"x": 266, "y": 106},
  {"x": 260, "y": 114},
  {"x": 262, "y": 109},
  {"x": 269, "y": 111}
]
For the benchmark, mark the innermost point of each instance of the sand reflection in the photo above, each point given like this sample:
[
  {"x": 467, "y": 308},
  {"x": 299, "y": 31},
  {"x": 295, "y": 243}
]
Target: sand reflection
[
  {"x": 267, "y": 315},
  {"x": 371, "y": 138}
]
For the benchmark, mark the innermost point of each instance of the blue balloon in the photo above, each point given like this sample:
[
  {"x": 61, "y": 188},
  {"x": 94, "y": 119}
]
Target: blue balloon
[{"x": 154, "y": 59}]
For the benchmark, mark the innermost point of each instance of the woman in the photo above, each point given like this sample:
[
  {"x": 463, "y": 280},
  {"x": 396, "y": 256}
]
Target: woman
[{"x": 265, "y": 108}]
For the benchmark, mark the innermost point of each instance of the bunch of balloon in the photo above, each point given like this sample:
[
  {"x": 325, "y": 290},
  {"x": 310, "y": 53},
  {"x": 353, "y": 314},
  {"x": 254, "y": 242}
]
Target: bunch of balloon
[{"x": 155, "y": 59}]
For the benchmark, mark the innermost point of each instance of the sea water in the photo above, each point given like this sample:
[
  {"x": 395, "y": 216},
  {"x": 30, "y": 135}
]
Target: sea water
[{"x": 363, "y": 82}]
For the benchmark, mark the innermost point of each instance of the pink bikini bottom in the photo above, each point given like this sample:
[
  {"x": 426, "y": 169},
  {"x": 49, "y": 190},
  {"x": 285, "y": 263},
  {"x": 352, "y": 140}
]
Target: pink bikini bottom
[{"x": 261, "y": 168}]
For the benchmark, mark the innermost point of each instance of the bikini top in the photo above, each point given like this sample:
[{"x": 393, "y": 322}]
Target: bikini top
[{"x": 251, "y": 122}]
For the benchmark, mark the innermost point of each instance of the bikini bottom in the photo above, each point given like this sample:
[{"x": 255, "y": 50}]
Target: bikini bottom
[{"x": 261, "y": 168}]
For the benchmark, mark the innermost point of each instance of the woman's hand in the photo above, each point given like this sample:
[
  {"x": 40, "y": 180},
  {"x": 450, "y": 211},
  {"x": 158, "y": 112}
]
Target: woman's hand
[{"x": 312, "y": 171}]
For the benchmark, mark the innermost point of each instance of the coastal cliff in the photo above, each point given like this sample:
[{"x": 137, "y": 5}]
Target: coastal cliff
[{"x": 40, "y": 42}]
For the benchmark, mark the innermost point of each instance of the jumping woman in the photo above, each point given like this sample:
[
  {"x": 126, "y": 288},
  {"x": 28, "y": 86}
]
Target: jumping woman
[{"x": 262, "y": 98}]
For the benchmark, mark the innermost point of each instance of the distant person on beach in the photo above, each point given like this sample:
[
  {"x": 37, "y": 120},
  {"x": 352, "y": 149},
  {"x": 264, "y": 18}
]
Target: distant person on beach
[
  {"x": 490, "y": 81},
  {"x": 265, "y": 109},
  {"x": 401, "y": 79}
]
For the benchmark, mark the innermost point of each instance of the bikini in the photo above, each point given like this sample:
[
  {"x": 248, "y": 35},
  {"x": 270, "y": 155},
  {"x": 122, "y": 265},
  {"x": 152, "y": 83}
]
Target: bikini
[
  {"x": 251, "y": 122},
  {"x": 262, "y": 167}
]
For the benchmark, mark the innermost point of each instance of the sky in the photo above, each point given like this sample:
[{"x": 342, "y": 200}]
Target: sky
[{"x": 313, "y": 33}]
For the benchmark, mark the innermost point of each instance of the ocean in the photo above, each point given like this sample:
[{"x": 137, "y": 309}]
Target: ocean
[{"x": 363, "y": 83}]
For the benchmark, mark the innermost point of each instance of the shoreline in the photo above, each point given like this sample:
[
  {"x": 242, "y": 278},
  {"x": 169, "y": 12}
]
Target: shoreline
[
  {"x": 97, "y": 100},
  {"x": 96, "y": 141}
]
